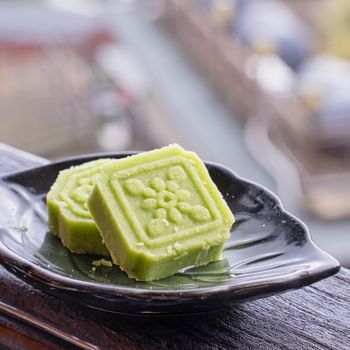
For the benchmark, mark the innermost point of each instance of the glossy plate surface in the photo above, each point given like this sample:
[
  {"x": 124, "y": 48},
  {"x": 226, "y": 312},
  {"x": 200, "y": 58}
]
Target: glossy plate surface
[{"x": 269, "y": 252}]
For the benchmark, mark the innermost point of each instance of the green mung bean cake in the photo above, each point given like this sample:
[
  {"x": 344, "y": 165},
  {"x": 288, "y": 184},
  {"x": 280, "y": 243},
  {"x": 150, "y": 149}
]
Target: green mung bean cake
[
  {"x": 69, "y": 216},
  {"x": 158, "y": 212}
]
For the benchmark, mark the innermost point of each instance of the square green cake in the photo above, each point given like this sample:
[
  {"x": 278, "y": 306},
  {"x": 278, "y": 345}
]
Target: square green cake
[
  {"x": 69, "y": 216},
  {"x": 159, "y": 211}
]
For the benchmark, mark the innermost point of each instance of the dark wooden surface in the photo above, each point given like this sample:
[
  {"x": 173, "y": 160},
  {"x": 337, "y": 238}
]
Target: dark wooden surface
[{"x": 315, "y": 317}]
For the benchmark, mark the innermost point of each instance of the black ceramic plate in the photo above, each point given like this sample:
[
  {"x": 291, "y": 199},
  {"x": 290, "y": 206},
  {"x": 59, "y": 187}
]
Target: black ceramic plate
[{"x": 269, "y": 252}]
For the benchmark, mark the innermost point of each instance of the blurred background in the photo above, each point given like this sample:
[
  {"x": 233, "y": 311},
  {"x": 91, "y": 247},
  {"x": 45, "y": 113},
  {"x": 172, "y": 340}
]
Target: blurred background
[{"x": 262, "y": 86}]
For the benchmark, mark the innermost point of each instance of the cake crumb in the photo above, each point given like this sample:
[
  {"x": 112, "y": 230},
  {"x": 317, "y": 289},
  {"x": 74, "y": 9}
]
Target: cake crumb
[{"x": 102, "y": 262}]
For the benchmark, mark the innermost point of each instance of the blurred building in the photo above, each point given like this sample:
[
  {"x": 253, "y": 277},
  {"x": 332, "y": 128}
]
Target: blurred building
[
  {"x": 59, "y": 93},
  {"x": 279, "y": 67}
]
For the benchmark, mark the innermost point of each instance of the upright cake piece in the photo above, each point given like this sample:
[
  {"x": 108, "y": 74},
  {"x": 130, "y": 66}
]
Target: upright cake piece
[
  {"x": 69, "y": 217},
  {"x": 158, "y": 212}
]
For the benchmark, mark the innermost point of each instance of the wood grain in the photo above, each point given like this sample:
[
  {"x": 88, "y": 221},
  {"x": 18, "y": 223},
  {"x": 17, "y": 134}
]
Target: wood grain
[
  {"x": 15, "y": 336},
  {"x": 315, "y": 317}
]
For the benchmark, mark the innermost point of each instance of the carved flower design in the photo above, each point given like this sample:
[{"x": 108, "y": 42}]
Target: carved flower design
[
  {"x": 82, "y": 191},
  {"x": 167, "y": 201}
]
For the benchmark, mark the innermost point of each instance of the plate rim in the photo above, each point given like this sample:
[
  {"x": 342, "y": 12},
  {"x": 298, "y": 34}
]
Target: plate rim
[{"x": 327, "y": 266}]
